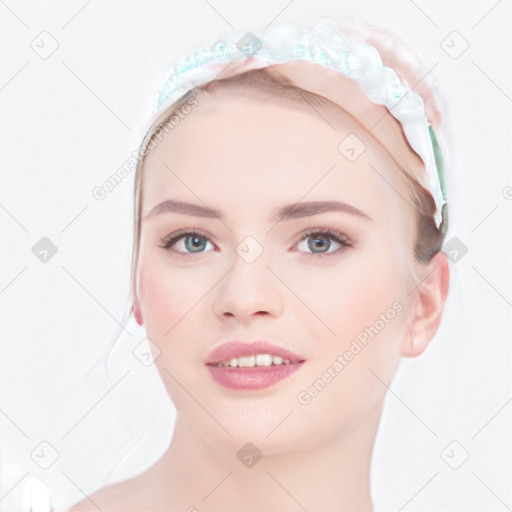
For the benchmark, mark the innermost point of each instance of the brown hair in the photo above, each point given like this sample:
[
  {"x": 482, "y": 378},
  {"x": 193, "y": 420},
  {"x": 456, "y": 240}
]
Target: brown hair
[{"x": 429, "y": 238}]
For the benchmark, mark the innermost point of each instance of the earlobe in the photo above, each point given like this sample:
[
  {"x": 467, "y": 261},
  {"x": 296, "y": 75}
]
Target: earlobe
[
  {"x": 137, "y": 312},
  {"x": 428, "y": 308},
  {"x": 415, "y": 346}
]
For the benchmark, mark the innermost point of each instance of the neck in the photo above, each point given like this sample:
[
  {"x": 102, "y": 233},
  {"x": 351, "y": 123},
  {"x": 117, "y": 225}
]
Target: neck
[{"x": 334, "y": 475}]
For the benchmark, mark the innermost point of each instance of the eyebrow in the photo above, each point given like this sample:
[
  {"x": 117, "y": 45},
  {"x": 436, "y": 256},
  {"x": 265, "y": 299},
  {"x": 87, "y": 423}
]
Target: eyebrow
[{"x": 290, "y": 211}]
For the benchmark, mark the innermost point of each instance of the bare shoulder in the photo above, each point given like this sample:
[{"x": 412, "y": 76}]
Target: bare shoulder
[{"x": 123, "y": 496}]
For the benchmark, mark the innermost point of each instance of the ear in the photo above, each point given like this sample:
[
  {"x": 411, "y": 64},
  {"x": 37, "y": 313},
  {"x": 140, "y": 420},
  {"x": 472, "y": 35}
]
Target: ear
[
  {"x": 137, "y": 312},
  {"x": 428, "y": 306}
]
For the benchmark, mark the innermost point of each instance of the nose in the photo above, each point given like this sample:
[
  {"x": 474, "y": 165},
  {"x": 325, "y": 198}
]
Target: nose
[{"x": 249, "y": 289}]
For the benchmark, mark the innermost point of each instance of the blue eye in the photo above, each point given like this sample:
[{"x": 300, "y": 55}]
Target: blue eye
[
  {"x": 194, "y": 242},
  {"x": 318, "y": 245}
]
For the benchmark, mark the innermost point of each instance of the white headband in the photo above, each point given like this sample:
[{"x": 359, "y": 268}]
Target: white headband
[{"x": 323, "y": 44}]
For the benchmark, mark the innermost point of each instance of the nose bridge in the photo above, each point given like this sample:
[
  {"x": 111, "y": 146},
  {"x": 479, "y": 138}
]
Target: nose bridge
[
  {"x": 247, "y": 288},
  {"x": 249, "y": 272}
]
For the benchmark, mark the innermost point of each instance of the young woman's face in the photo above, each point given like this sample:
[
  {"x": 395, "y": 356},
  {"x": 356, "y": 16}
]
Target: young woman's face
[{"x": 343, "y": 308}]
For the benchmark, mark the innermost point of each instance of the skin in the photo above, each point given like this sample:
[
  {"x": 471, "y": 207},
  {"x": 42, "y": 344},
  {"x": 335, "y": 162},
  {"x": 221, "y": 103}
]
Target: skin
[{"x": 248, "y": 154}]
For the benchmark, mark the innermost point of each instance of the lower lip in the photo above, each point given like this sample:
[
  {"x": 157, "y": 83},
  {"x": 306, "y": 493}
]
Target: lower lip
[{"x": 257, "y": 377}]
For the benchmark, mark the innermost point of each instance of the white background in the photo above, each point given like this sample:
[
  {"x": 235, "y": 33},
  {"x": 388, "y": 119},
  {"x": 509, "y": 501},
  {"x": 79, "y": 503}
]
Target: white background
[{"x": 70, "y": 120}]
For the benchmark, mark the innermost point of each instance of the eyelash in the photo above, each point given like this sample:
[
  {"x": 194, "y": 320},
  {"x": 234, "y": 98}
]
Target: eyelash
[{"x": 167, "y": 242}]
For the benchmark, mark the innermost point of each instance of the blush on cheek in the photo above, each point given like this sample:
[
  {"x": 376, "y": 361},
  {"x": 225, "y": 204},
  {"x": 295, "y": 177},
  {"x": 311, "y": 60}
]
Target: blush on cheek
[
  {"x": 161, "y": 300},
  {"x": 371, "y": 316}
]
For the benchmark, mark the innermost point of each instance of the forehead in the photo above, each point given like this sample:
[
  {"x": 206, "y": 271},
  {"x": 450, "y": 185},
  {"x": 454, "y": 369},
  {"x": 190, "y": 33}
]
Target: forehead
[{"x": 247, "y": 149}]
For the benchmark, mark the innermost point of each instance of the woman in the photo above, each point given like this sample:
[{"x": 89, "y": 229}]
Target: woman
[{"x": 289, "y": 215}]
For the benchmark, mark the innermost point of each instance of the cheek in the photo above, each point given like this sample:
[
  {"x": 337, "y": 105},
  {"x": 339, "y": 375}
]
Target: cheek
[
  {"x": 336, "y": 300},
  {"x": 356, "y": 318},
  {"x": 167, "y": 297},
  {"x": 372, "y": 318},
  {"x": 173, "y": 302},
  {"x": 164, "y": 297}
]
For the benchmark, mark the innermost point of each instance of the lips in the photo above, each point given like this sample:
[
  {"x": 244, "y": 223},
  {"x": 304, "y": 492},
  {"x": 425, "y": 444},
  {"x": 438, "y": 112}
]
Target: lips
[
  {"x": 236, "y": 349},
  {"x": 249, "y": 377}
]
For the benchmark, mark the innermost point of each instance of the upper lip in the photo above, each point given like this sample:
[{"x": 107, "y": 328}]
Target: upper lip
[{"x": 235, "y": 349}]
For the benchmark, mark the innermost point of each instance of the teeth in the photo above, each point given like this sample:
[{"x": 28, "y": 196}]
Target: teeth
[
  {"x": 246, "y": 362},
  {"x": 256, "y": 360},
  {"x": 263, "y": 360}
]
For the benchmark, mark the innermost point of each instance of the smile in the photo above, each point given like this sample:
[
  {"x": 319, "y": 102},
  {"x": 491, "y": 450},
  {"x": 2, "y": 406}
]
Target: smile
[
  {"x": 256, "y": 360},
  {"x": 251, "y": 366}
]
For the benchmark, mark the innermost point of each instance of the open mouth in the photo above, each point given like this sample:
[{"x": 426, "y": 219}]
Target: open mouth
[
  {"x": 255, "y": 361},
  {"x": 251, "y": 366}
]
